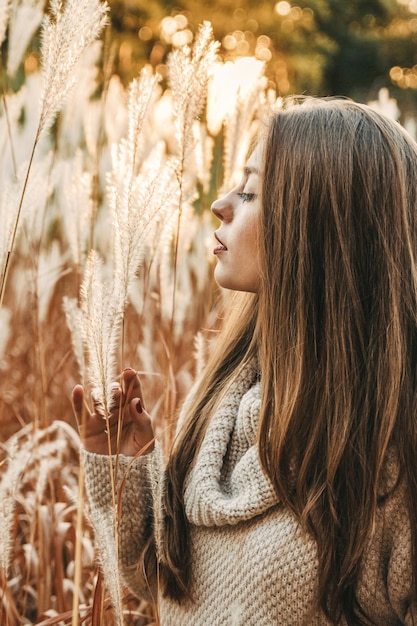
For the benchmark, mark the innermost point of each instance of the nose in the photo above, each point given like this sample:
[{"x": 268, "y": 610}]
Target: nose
[{"x": 222, "y": 207}]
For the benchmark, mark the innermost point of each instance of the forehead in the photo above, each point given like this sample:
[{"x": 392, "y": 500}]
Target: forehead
[{"x": 254, "y": 162}]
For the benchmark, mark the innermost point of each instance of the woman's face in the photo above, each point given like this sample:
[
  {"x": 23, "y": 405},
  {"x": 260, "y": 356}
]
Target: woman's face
[{"x": 238, "y": 265}]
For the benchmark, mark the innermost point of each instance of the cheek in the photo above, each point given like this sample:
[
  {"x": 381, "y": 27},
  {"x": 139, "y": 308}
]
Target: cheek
[
  {"x": 250, "y": 252},
  {"x": 250, "y": 236}
]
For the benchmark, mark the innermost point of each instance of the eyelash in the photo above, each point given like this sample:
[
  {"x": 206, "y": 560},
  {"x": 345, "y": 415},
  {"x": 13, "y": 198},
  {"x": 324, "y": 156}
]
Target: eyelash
[{"x": 247, "y": 197}]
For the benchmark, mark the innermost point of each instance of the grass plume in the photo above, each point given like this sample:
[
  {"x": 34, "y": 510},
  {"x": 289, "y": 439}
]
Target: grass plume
[
  {"x": 67, "y": 31},
  {"x": 102, "y": 310},
  {"x": 70, "y": 27}
]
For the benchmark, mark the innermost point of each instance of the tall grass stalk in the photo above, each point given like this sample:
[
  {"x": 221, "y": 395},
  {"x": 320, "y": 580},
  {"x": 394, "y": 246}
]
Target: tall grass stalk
[
  {"x": 78, "y": 550},
  {"x": 15, "y": 226},
  {"x": 101, "y": 325},
  {"x": 189, "y": 72},
  {"x": 69, "y": 29}
]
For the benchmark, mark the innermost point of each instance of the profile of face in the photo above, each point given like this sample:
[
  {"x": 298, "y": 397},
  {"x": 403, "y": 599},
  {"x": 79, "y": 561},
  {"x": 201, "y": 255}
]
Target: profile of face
[{"x": 238, "y": 264}]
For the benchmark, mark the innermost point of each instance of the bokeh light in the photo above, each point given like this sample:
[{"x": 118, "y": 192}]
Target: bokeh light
[
  {"x": 404, "y": 77},
  {"x": 174, "y": 31},
  {"x": 299, "y": 47},
  {"x": 145, "y": 33},
  {"x": 411, "y": 5},
  {"x": 283, "y": 7}
]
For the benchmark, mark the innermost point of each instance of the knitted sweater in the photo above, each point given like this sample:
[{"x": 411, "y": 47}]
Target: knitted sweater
[{"x": 252, "y": 563}]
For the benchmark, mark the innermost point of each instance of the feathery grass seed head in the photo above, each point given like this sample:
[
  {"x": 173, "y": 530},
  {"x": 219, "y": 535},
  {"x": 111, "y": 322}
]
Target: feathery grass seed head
[
  {"x": 188, "y": 73},
  {"x": 102, "y": 308},
  {"x": 70, "y": 27}
]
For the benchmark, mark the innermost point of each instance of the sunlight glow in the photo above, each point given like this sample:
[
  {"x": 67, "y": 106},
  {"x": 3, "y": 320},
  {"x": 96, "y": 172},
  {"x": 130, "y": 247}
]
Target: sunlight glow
[{"x": 283, "y": 7}]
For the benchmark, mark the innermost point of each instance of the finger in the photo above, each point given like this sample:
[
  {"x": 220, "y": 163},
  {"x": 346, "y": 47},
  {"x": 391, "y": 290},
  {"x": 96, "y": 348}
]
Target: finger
[
  {"x": 131, "y": 385},
  {"x": 78, "y": 404}
]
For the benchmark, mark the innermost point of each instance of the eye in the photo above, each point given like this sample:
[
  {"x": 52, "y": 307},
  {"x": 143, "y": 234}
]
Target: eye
[{"x": 247, "y": 197}]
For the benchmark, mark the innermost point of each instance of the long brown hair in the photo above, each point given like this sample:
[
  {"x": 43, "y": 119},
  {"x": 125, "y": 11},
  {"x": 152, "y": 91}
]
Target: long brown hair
[
  {"x": 233, "y": 348},
  {"x": 336, "y": 331}
]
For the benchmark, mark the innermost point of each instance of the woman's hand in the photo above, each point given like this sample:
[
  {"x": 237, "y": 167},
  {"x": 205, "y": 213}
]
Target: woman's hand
[{"x": 135, "y": 431}]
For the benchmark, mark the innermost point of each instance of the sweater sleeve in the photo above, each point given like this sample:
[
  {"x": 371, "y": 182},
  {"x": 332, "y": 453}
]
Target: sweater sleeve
[{"x": 131, "y": 519}]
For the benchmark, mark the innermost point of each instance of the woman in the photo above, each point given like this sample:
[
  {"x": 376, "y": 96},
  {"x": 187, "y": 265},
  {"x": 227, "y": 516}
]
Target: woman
[{"x": 289, "y": 496}]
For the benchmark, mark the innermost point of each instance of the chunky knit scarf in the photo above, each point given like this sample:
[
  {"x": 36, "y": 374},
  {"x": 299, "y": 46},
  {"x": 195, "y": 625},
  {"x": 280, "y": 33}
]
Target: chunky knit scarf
[{"x": 227, "y": 484}]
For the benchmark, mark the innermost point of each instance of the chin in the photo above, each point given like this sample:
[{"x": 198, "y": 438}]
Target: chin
[{"x": 234, "y": 286}]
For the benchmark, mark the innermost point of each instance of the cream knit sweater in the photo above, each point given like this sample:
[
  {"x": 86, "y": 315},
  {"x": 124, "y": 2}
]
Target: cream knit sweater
[{"x": 252, "y": 564}]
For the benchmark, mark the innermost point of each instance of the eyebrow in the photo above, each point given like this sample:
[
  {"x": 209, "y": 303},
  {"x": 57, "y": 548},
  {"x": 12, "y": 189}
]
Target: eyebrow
[{"x": 251, "y": 170}]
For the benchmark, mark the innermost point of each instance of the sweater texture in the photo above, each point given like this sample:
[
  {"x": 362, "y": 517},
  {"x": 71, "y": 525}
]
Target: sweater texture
[{"x": 252, "y": 563}]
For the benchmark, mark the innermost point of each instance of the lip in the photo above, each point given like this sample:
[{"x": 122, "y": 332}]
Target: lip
[{"x": 221, "y": 247}]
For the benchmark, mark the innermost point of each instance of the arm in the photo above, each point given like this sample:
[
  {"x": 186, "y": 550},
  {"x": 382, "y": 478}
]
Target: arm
[
  {"x": 126, "y": 511},
  {"x": 133, "y": 517}
]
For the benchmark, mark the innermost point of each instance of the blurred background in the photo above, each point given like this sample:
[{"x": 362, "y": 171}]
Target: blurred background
[{"x": 318, "y": 47}]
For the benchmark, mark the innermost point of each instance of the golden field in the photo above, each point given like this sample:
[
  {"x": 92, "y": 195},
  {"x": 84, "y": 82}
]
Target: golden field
[{"x": 105, "y": 254}]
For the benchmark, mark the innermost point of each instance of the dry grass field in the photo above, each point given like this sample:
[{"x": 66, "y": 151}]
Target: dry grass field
[{"x": 105, "y": 259}]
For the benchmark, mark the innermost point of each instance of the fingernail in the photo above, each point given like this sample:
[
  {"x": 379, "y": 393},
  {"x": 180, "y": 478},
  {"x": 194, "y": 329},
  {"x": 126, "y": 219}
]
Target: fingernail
[{"x": 139, "y": 406}]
